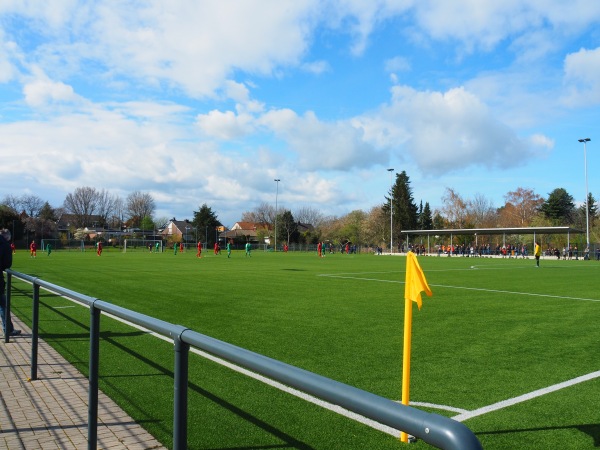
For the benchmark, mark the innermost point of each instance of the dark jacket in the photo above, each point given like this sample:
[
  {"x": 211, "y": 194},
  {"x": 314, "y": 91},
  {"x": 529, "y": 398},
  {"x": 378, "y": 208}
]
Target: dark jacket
[{"x": 5, "y": 259}]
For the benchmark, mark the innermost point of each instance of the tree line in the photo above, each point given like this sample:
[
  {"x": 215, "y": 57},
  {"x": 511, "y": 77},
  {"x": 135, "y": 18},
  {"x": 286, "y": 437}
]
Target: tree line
[{"x": 90, "y": 207}]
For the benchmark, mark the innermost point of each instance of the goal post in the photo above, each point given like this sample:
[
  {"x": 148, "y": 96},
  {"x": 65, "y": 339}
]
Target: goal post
[{"x": 143, "y": 245}]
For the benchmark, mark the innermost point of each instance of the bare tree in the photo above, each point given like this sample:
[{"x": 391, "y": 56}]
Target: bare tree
[
  {"x": 481, "y": 211},
  {"x": 309, "y": 215},
  {"x": 13, "y": 202},
  {"x": 454, "y": 208},
  {"x": 138, "y": 206},
  {"x": 82, "y": 203},
  {"x": 249, "y": 216},
  {"x": 32, "y": 205},
  {"x": 107, "y": 205}
]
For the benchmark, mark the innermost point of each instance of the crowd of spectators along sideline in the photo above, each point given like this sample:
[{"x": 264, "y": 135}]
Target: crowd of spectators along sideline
[{"x": 504, "y": 251}]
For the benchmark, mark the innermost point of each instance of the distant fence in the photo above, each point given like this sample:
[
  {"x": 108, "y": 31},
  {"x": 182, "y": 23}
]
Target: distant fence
[{"x": 436, "y": 430}]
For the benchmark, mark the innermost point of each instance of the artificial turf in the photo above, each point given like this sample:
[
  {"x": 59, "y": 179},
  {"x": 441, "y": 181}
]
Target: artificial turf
[{"x": 494, "y": 329}]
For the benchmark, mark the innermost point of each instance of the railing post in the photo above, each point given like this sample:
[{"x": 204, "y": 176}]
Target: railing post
[
  {"x": 93, "y": 377},
  {"x": 35, "y": 321},
  {"x": 181, "y": 394},
  {"x": 6, "y": 317}
]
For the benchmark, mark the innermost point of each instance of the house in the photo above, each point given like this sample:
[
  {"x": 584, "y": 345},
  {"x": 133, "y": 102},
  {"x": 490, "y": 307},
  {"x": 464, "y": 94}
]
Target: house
[
  {"x": 180, "y": 230},
  {"x": 246, "y": 231}
]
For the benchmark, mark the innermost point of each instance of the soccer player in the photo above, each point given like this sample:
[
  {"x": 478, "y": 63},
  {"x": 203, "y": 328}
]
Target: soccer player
[
  {"x": 228, "y": 249},
  {"x": 537, "y": 252},
  {"x": 199, "y": 253},
  {"x": 33, "y": 249},
  {"x": 248, "y": 248},
  {"x": 99, "y": 251}
]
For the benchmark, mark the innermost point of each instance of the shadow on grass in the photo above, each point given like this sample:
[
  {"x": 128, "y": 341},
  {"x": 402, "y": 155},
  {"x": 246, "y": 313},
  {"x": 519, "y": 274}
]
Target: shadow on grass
[
  {"x": 110, "y": 338},
  {"x": 592, "y": 430}
]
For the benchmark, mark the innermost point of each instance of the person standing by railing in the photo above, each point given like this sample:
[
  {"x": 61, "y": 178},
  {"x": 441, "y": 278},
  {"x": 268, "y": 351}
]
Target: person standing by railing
[{"x": 5, "y": 263}]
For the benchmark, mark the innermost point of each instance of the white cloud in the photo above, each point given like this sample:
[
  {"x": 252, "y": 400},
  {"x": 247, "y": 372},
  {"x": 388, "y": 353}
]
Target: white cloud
[
  {"x": 397, "y": 64},
  {"x": 225, "y": 125},
  {"x": 581, "y": 77},
  {"x": 42, "y": 92},
  {"x": 446, "y": 131}
]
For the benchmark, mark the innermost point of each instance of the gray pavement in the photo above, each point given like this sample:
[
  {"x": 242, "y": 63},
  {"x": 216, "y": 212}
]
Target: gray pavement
[{"x": 51, "y": 412}]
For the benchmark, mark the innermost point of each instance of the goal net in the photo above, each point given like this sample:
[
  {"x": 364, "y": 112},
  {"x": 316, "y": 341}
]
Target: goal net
[{"x": 143, "y": 245}]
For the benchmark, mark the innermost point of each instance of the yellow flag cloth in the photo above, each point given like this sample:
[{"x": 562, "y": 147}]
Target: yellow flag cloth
[{"x": 415, "y": 280}]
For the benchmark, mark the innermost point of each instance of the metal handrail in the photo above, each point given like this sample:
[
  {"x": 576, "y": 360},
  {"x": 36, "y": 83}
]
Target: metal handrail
[{"x": 436, "y": 430}]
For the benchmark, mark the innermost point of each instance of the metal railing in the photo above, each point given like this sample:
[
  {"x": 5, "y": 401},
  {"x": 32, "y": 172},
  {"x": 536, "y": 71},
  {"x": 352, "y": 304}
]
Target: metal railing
[{"x": 436, "y": 430}]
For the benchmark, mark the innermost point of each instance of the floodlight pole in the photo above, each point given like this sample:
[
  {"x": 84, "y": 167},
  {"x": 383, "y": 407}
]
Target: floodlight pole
[
  {"x": 391, "y": 216},
  {"x": 277, "y": 180},
  {"x": 587, "y": 195}
]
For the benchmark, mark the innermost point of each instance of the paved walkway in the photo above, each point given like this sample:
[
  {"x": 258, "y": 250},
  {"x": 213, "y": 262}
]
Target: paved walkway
[{"x": 51, "y": 412}]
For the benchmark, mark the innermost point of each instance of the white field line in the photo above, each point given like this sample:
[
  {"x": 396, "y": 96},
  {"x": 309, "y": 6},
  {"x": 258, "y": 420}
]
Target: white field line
[
  {"x": 523, "y": 398},
  {"x": 495, "y": 291}
]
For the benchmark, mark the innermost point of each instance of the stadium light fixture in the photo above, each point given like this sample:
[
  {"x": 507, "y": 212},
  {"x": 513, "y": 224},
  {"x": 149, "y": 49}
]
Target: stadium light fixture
[
  {"x": 277, "y": 180},
  {"x": 391, "y": 216},
  {"x": 587, "y": 195}
]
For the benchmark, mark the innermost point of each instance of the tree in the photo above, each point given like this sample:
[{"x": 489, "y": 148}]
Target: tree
[
  {"x": 376, "y": 224},
  {"x": 353, "y": 227},
  {"x": 522, "y": 205},
  {"x": 558, "y": 207},
  {"x": 109, "y": 207},
  {"x": 139, "y": 205},
  {"x": 287, "y": 226},
  {"x": 205, "y": 221},
  {"x": 308, "y": 215},
  {"x": 32, "y": 205},
  {"x": 8, "y": 219},
  {"x": 82, "y": 203},
  {"x": 481, "y": 212},
  {"x": 404, "y": 209},
  {"x": 263, "y": 213},
  {"x": 455, "y": 209},
  {"x": 425, "y": 219}
]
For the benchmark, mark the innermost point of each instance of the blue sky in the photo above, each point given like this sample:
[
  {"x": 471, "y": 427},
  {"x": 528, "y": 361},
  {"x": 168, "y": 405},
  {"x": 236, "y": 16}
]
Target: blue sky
[{"x": 209, "y": 101}]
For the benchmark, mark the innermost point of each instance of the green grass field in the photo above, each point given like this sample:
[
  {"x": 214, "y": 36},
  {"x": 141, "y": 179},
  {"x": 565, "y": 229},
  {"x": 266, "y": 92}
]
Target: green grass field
[{"x": 494, "y": 330}]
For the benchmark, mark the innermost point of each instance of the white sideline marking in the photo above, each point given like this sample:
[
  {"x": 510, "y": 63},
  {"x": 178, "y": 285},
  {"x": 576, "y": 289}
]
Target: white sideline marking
[
  {"x": 496, "y": 291},
  {"x": 442, "y": 407},
  {"x": 525, "y": 397}
]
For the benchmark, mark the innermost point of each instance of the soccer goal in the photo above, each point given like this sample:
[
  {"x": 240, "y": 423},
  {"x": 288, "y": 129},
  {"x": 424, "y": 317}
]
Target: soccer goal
[{"x": 143, "y": 245}]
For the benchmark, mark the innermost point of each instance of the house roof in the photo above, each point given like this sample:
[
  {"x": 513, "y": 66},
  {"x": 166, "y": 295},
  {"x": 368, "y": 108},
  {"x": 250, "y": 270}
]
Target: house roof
[{"x": 250, "y": 226}]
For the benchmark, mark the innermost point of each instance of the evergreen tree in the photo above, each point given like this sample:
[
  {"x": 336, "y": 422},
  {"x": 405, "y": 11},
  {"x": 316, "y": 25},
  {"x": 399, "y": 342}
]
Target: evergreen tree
[
  {"x": 287, "y": 226},
  {"x": 404, "y": 209},
  {"x": 426, "y": 218},
  {"x": 592, "y": 208},
  {"x": 559, "y": 207},
  {"x": 205, "y": 221}
]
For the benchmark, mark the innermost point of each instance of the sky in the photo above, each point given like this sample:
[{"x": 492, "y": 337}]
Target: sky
[{"x": 209, "y": 102}]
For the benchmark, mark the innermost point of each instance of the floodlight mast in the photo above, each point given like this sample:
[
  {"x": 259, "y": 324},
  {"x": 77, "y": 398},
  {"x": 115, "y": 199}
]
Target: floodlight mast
[
  {"x": 391, "y": 216},
  {"x": 277, "y": 180},
  {"x": 587, "y": 195}
]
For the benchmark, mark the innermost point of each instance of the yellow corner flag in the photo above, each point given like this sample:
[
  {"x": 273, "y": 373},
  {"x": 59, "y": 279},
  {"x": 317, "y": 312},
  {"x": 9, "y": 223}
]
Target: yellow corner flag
[
  {"x": 415, "y": 280},
  {"x": 414, "y": 285}
]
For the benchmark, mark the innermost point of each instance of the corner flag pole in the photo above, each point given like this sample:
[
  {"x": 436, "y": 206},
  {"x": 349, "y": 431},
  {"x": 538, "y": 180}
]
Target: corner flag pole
[
  {"x": 406, "y": 359},
  {"x": 415, "y": 284}
]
